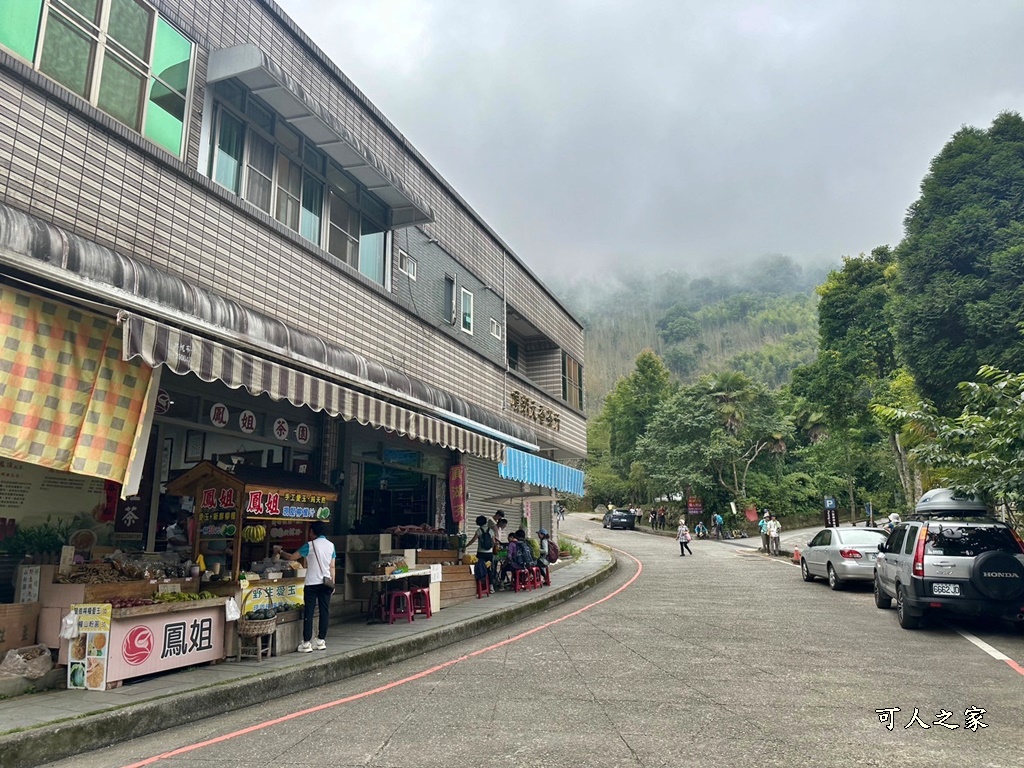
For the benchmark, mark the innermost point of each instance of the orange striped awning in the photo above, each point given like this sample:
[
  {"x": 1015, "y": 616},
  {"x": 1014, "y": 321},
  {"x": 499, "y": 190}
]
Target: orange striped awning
[
  {"x": 68, "y": 401},
  {"x": 185, "y": 352}
]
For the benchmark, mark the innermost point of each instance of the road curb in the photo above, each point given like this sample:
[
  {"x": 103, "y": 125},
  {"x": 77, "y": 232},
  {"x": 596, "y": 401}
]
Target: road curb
[{"x": 48, "y": 743}]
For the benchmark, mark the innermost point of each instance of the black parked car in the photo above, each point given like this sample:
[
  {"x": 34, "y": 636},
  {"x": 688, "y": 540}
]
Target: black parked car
[{"x": 619, "y": 518}]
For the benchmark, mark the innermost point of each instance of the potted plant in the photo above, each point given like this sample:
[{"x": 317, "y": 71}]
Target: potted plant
[{"x": 41, "y": 543}]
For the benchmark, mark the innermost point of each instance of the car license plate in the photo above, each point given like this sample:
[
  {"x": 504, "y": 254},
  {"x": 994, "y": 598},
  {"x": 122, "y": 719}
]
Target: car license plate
[{"x": 945, "y": 589}]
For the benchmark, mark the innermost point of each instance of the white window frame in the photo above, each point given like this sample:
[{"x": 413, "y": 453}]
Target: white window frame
[
  {"x": 495, "y": 329},
  {"x": 406, "y": 264},
  {"x": 462, "y": 313}
]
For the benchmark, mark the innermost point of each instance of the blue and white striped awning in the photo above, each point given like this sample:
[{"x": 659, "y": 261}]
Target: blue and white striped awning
[{"x": 536, "y": 470}]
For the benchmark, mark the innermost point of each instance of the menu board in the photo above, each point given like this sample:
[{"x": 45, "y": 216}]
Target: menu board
[{"x": 88, "y": 653}]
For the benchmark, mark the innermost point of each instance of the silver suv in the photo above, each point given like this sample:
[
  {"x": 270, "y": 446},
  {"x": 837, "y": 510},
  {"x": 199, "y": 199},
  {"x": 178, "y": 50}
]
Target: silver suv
[{"x": 951, "y": 558}]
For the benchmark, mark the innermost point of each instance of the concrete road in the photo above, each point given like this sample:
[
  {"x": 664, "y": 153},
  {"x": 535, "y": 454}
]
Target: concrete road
[{"x": 722, "y": 659}]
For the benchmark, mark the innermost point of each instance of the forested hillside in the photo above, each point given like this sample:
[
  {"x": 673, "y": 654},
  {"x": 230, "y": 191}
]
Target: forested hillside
[
  {"x": 778, "y": 387},
  {"x": 758, "y": 318}
]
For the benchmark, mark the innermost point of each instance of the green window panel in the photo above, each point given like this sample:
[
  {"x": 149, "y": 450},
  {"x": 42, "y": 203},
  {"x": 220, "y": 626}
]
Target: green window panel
[
  {"x": 19, "y": 26},
  {"x": 172, "y": 57},
  {"x": 121, "y": 91},
  {"x": 165, "y": 117},
  {"x": 67, "y": 55},
  {"x": 129, "y": 26}
]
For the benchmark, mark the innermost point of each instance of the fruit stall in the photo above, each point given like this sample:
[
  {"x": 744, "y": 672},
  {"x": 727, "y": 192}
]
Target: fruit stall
[
  {"x": 244, "y": 511},
  {"x": 150, "y": 619}
]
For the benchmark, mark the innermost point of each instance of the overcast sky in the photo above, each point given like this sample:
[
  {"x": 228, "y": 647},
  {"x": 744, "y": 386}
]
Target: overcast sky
[{"x": 676, "y": 133}]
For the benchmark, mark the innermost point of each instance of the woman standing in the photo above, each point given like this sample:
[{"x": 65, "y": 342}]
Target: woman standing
[{"x": 683, "y": 537}]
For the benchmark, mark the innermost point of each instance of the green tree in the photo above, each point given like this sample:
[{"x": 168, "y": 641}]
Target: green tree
[
  {"x": 631, "y": 405},
  {"x": 959, "y": 301}
]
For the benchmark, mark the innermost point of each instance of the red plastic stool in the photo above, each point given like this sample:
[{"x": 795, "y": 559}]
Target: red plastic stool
[
  {"x": 538, "y": 577},
  {"x": 522, "y": 579},
  {"x": 401, "y": 605},
  {"x": 421, "y": 601},
  {"x": 483, "y": 587}
]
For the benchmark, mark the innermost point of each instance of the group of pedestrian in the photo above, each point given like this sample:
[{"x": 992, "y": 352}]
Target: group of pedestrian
[
  {"x": 499, "y": 554},
  {"x": 770, "y": 529}
]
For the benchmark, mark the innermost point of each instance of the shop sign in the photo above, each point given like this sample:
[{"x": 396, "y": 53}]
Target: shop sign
[
  {"x": 247, "y": 422},
  {"x": 147, "y": 644},
  {"x": 402, "y": 457},
  {"x": 305, "y": 506},
  {"x": 88, "y": 654},
  {"x": 257, "y": 595},
  {"x": 281, "y": 429},
  {"x": 302, "y": 433},
  {"x": 457, "y": 491},
  {"x": 219, "y": 415},
  {"x": 217, "y": 498},
  {"x": 526, "y": 406}
]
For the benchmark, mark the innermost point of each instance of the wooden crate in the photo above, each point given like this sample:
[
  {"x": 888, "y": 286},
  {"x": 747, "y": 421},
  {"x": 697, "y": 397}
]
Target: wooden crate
[
  {"x": 431, "y": 556},
  {"x": 457, "y": 584},
  {"x": 18, "y": 625}
]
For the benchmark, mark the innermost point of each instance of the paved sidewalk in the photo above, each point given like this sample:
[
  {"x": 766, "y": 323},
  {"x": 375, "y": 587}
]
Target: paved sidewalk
[{"x": 51, "y": 725}]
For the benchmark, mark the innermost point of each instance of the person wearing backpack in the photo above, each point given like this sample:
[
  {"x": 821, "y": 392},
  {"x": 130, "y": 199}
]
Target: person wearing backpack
[
  {"x": 548, "y": 553},
  {"x": 484, "y": 538}
]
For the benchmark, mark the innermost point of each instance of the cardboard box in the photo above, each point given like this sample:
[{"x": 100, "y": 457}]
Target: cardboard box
[{"x": 18, "y": 625}]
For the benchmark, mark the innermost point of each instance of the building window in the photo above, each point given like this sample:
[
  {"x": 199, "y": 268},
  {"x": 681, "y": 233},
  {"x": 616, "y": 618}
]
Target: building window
[
  {"x": 467, "y": 311},
  {"x": 406, "y": 264},
  {"x": 512, "y": 354},
  {"x": 572, "y": 382},
  {"x": 256, "y": 155},
  {"x": 119, "y": 55},
  {"x": 449, "y": 309},
  {"x": 495, "y": 328}
]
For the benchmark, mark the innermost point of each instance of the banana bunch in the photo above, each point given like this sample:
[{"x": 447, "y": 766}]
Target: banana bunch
[{"x": 254, "y": 534}]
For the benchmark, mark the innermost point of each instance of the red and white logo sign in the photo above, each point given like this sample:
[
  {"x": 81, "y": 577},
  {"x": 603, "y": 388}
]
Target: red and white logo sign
[
  {"x": 219, "y": 415},
  {"x": 163, "y": 403},
  {"x": 247, "y": 422},
  {"x": 137, "y": 645}
]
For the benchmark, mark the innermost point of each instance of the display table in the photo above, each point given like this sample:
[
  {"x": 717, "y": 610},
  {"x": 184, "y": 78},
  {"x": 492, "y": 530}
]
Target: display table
[
  {"x": 381, "y": 582},
  {"x": 284, "y": 591},
  {"x": 155, "y": 638}
]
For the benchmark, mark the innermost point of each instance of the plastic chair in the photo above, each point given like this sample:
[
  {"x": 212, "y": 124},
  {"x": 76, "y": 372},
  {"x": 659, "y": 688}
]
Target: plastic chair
[
  {"x": 522, "y": 579},
  {"x": 540, "y": 576},
  {"x": 400, "y": 605},
  {"x": 421, "y": 601},
  {"x": 483, "y": 587}
]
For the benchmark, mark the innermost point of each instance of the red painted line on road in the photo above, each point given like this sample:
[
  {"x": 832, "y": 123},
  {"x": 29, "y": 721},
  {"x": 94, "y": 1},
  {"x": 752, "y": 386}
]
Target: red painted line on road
[
  {"x": 381, "y": 689},
  {"x": 991, "y": 650}
]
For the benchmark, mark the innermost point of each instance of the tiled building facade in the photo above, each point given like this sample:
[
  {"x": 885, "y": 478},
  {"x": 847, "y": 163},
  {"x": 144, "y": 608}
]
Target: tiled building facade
[{"x": 214, "y": 148}]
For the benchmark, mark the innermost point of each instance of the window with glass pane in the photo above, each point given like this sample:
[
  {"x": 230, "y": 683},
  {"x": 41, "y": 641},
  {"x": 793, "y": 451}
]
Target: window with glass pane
[
  {"x": 259, "y": 183},
  {"x": 117, "y": 54},
  {"x": 227, "y": 163},
  {"x": 572, "y": 381},
  {"x": 312, "y": 208},
  {"x": 467, "y": 311},
  {"x": 121, "y": 91},
  {"x": 19, "y": 27},
  {"x": 343, "y": 228},
  {"x": 67, "y": 54},
  {"x": 289, "y": 188},
  {"x": 129, "y": 25},
  {"x": 165, "y": 110},
  {"x": 372, "y": 260}
]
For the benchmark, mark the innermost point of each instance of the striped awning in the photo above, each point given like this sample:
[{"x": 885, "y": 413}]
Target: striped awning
[
  {"x": 536, "y": 470},
  {"x": 184, "y": 352}
]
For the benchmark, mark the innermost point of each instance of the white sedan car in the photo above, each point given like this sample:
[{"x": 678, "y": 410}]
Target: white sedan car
[{"x": 841, "y": 554}]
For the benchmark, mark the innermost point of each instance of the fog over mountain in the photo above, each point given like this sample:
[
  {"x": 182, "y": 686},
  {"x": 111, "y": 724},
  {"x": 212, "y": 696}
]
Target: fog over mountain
[{"x": 676, "y": 134}]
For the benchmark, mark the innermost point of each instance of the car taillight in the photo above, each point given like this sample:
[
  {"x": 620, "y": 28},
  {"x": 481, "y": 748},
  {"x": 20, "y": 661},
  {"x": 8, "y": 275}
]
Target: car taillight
[
  {"x": 1017, "y": 538},
  {"x": 851, "y": 553},
  {"x": 922, "y": 537}
]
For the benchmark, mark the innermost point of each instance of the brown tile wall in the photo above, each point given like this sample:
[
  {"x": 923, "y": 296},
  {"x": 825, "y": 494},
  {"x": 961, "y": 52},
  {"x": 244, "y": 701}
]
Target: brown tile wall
[{"x": 69, "y": 164}]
